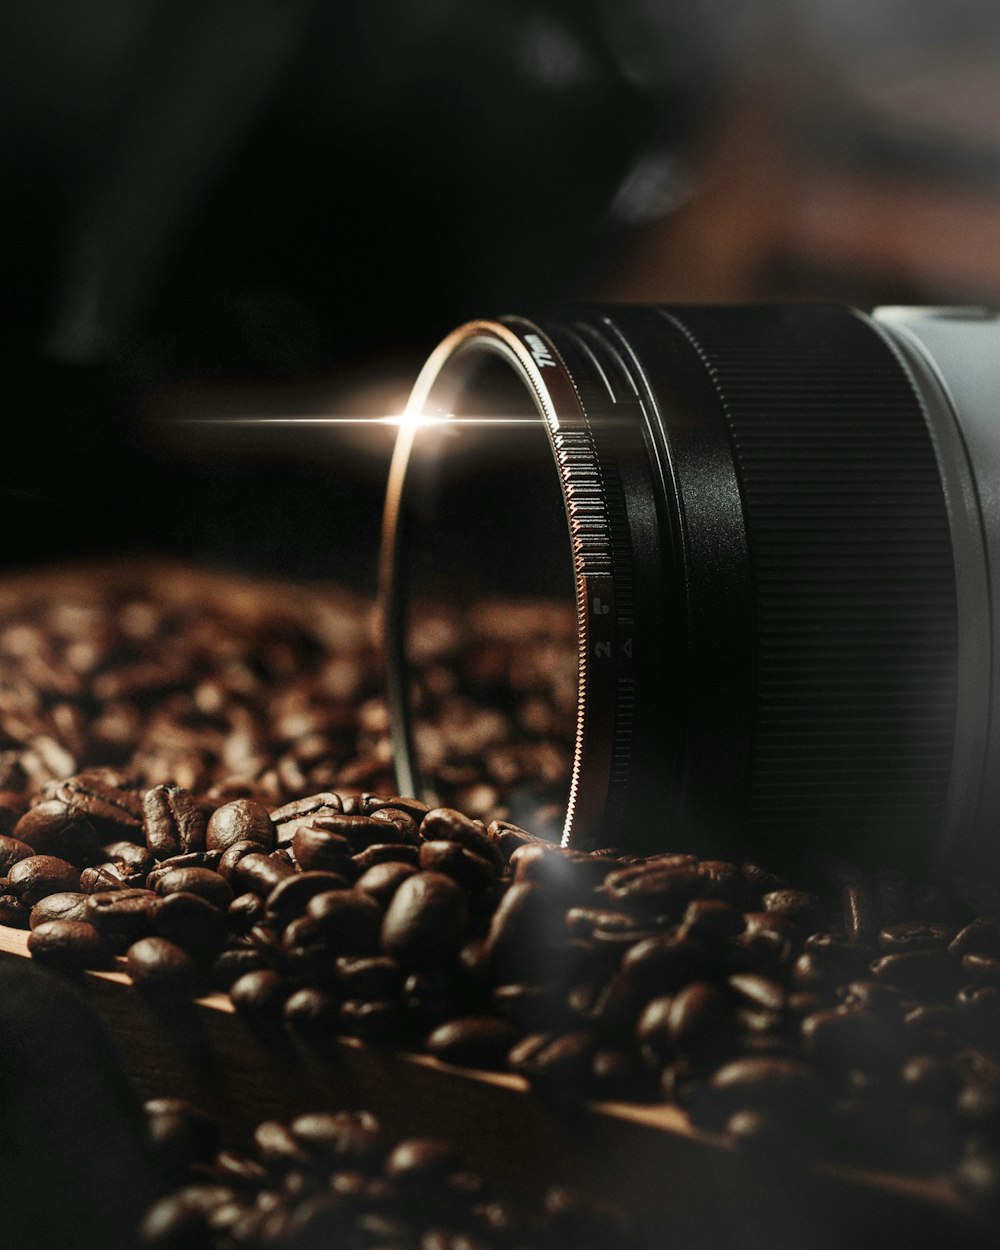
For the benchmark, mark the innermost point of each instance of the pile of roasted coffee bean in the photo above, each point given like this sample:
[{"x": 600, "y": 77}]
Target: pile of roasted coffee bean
[
  {"x": 858, "y": 1021},
  {"x": 188, "y": 790},
  {"x": 229, "y": 687},
  {"x": 334, "y": 1179}
]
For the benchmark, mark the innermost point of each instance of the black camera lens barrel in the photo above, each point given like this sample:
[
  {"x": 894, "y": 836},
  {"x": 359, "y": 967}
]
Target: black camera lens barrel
[{"x": 781, "y": 521}]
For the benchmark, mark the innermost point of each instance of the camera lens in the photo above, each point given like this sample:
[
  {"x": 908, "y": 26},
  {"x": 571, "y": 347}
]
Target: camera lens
[{"x": 750, "y": 548}]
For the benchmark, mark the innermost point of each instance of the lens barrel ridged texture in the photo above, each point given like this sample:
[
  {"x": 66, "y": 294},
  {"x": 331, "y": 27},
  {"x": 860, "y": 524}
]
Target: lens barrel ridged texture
[{"x": 853, "y": 572}]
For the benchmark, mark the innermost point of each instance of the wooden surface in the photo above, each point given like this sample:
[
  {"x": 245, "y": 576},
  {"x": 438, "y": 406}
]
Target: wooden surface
[{"x": 682, "y": 1183}]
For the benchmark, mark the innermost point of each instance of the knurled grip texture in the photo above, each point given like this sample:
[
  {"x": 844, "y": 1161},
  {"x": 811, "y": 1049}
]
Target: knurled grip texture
[{"x": 853, "y": 575}]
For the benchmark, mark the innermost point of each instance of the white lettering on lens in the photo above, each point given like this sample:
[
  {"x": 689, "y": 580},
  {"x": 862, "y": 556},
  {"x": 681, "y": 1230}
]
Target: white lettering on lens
[{"x": 543, "y": 357}]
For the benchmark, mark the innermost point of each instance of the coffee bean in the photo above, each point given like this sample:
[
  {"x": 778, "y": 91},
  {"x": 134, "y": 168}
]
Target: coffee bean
[
  {"x": 290, "y": 897},
  {"x": 384, "y": 853},
  {"x": 242, "y": 820},
  {"x": 69, "y": 944},
  {"x": 347, "y": 920},
  {"x": 65, "y": 905},
  {"x": 768, "y": 1084},
  {"x": 122, "y": 916},
  {"x": 311, "y": 1011},
  {"x": 980, "y": 937},
  {"x": 172, "y": 821},
  {"x": 425, "y": 921},
  {"x": 54, "y": 828},
  {"x": 653, "y": 887},
  {"x": 368, "y": 976},
  {"x": 157, "y": 966},
  {"x": 913, "y": 936},
  {"x": 318, "y": 850},
  {"x": 260, "y": 995},
  {"x": 470, "y": 870},
  {"x": 11, "y": 850},
  {"x": 758, "y": 990},
  {"x": 192, "y": 923},
  {"x": 710, "y": 920},
  {"x": 33, "y": 878},
  {"x": 206, "y": 884},
  {"x": 290, "y": 817},
  {"x": 860, "y": 913},
  {"x": 383, "y": 880},
  {"x": 260, "y": 873},
  {"x": 102, "y": 877},
  {"x": 473, "y": 1041},
  {"x": 374, "y": 1020},
  {"x": 801, "y": 908},
  {"x": 136, "y": 860},
  {"x": 929, "y": 971}
]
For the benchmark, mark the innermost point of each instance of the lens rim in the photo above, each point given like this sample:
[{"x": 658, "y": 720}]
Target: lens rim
[{"x": 538, "y": 363}]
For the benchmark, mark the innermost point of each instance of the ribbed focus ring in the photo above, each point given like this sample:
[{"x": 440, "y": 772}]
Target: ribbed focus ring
[{"x": 853, "y": 573}]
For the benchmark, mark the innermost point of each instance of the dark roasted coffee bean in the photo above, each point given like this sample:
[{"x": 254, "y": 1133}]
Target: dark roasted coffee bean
[
  {"x": 33, "y": 878},
  {"x": 231, "y": 964},
  {"x": 360, "y": 831},
  {"x": 122, "y": 916},
  {"x": 201, "y": 881},
  {"x": 402, "y": 822},
  {"x": 860, "y": 913},
  {"x": 978, "y": 967},
  {"x": 311, "y": 1011},
  {"x": 509, "y": 838},
  {"x": 980, "y": 937},
  {"x": 137, "y": 860},
  {"x": 66, "y": 905},
  {"x": 232, "y": 855},
  {"x": 289, "y": 818},
  {"x": 758, "y": 991},
  {"x": 69, "y": 944},
  {"x": 384, "y": 853},
  {"x": 260, "y": 873},
  {"x": 290, "y": 897},
  {"x": 447, "y": 825},
  {"x": 244, "y": 912},
  {"x": 872, "y": 996},
  {"x": 419, "y": 1160},
  {"x": 470, "y": 870},
  {"x": 929, "y": 972},
  {"x": 425, "y": 922},
  {"x": 13, "y": 913},
  {"x": 527, "y": 919},
  {"x": 320, "y": 850},
  {"x": 724, "y": 880},
  {"x": 192, "y": 923},
  {"x": 768, "y": 1083},
  {"x": 243, "y": 820},
  {"x": 655, "y": 887},
  {"x": 552, "y": 1061},
  {"x": 260, "y": 995},
  {"x": 913, "y": 936},
  {"x": 53, "y": 828},
  {"x": 160, "y": 967},
  {"x": 697, "y": 1015},
  {"x": 352, "y": 1138},
  {"x": 801, "y": 908},
  {"x": 383, "y": 880},
  {"x": 528, "y": 1006},
  {"x": 191, "y": 859},
  {"x": 710, "y": 920},
  {"x": 348, "y": 921},
  {"x": 102, "y": 877},
  {"x": 11, "y": 850},
  {"x": 112, "y": 809},
  {"x": 473, "y": 1041},
  {"x": 172, "y": 821},
  {"x": 368, "y": 976}
]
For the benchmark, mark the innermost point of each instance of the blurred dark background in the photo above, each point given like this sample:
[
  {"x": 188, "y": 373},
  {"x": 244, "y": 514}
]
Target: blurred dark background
[{"x": 277, "y": 207}]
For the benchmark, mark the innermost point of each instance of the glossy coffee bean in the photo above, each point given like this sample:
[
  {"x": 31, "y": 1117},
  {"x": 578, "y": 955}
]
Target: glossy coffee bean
[
  {"x": 172, "y": 821},
  {"x": 33, "y": 878},
  {"x": 157, "y": 966},
  {"x": 69, "y": 944},
  {"x": 473, "y": 1041},
  {"x": 425, "y": 921},
  {"x": 201, "y": 881},
  {"x": 66, "y": 905},
  {"x": 242, "y": 820}
]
